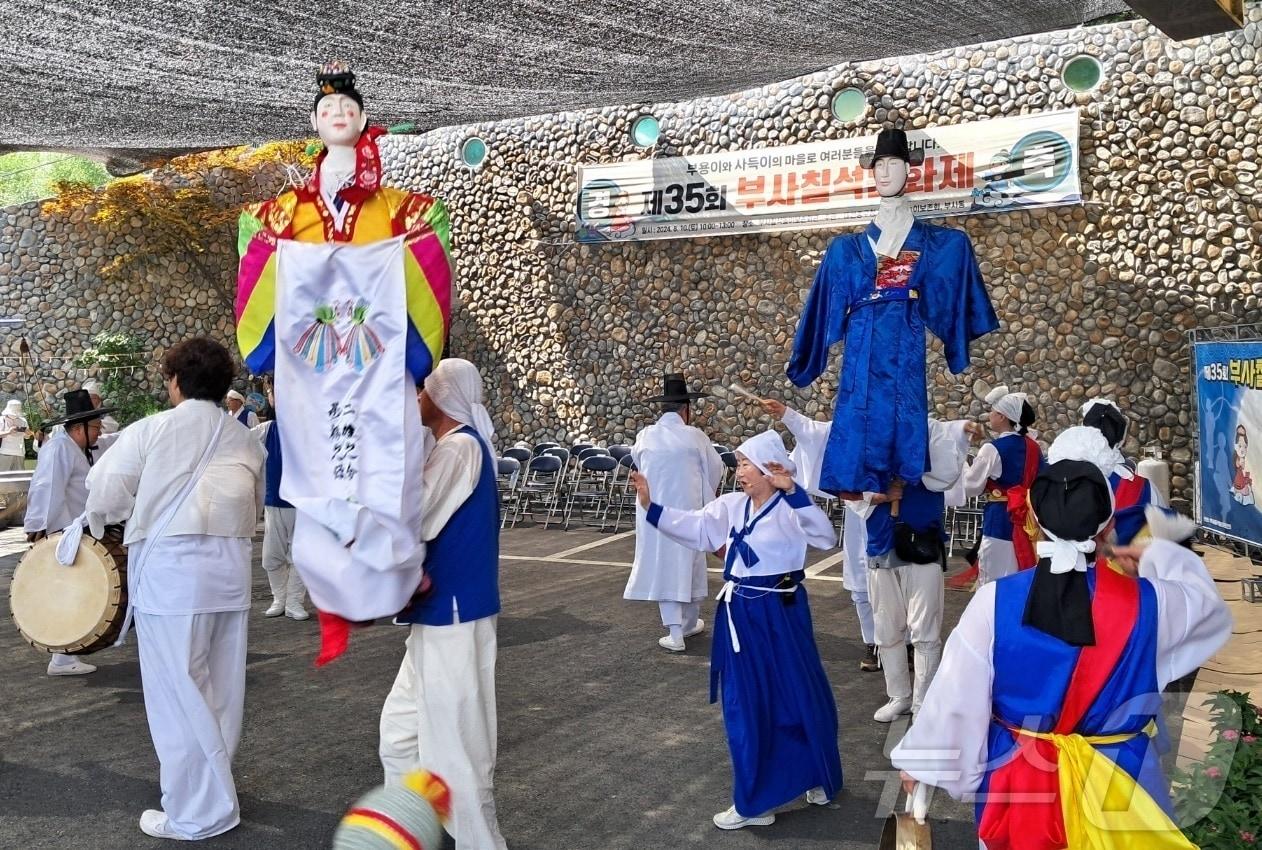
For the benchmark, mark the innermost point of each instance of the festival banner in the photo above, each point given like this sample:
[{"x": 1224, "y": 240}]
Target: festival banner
[
  {"x": 1001, "y": 164},
  {"x": 1229, "y": 410}
]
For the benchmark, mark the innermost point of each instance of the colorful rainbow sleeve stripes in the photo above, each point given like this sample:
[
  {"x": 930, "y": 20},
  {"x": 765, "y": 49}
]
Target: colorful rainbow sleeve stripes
[{"x": 427, "y": 275}]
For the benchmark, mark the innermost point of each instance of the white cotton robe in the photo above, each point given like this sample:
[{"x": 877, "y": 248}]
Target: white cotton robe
[
  {"x": 58, "y": 489},
  {"x": 683, "y": 471},
  {"x": 946, "y": 746},
  {"x": 191, "y": 597}
]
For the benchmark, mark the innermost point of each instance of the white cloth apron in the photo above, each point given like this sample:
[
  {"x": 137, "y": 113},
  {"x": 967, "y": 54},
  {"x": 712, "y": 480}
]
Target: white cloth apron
[{"x": 354, "y": 475}]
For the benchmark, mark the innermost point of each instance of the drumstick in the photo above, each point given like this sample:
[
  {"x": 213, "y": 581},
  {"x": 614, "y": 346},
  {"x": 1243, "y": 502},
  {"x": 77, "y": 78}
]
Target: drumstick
[{"x": 739, "y": 390}]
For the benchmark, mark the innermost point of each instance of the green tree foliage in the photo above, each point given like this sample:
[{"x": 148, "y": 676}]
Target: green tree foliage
[
  {"x": 32, "y": 176},
  {"x": 124, "y": 369}
]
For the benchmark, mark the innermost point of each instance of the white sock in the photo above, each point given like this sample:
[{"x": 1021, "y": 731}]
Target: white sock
[{"x": 676, "y": 633}]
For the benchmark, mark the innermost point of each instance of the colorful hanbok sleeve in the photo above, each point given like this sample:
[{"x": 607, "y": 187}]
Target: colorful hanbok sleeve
[
  {"x": 955, "y": 305},
  {"x": 258, "y": 229},
  {"x": 428, "y": 273}
]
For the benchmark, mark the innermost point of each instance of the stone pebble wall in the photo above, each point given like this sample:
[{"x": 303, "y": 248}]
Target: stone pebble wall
[{"x": 1094, "y": 299}]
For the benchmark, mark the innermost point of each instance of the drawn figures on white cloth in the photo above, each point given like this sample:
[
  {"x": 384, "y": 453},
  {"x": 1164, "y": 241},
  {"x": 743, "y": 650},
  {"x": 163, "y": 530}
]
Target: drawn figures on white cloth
[
  {"x": 1241, "y": 479},
  {"x": 323, "y": 345},
  {"x": 344, "y": 448}
]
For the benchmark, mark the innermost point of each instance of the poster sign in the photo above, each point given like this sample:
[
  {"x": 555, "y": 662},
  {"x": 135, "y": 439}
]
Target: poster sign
[
  {"x": 1229, "y": 410},
  {"x": 983, "y": 166}
]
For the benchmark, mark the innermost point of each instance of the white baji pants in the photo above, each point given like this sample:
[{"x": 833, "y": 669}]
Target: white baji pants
[
  {"x": 907, "y": 603},
  {"x": 854, "y": 571},
  {"x": 683, "y": 614},
  {"x": 192, "y": 669},
  {"x": 440, "y": 716},
  {"x": 995, "y": 559},
  {"x": 278, "y": 538}
]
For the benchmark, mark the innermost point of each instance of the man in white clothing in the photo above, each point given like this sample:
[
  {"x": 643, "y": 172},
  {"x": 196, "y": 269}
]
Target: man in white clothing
[
  {"x": 189, "y": 485},
  {"x": 683, "y": 470},
  {"x": 59, "y": 490},
  {"x": 440, "y": 714},
  {"x": 810, "y": 439},
  {"x": 288, "y": 591},
  {"x": 109, "y": 425},
  {"x": 13, "y": 430}
]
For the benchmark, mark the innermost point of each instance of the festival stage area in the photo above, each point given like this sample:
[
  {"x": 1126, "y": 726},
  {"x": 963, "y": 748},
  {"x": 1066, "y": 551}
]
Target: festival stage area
[{"x": 606, "y": 740}]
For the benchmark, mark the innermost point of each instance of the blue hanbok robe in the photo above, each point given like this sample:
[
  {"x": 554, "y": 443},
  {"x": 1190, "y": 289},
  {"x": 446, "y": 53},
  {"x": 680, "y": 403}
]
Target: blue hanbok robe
[
  {"x": 880, "y": 419},
  {"x": 778, "y": 706}
]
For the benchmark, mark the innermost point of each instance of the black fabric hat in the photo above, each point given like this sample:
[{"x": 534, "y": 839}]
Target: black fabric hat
[
  {"x": 79, "y": 408},
  {"x": 675, "y": 389},
  {"x": 1108, "y": 420},
  {"x": 1070, "y": 499},
  {"x": 892, "y": 142},
  {"x": 336, "y": 78}
]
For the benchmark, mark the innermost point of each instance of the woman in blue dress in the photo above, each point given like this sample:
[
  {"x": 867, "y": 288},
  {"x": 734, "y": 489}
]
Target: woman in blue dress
[{"x": 778, "y": 707}]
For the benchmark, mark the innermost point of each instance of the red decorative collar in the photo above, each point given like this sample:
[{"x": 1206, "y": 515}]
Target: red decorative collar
[{"x": 367, "y": 177}]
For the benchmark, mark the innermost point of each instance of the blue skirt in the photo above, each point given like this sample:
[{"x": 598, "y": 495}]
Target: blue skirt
[{"x": 778, "y": 707}]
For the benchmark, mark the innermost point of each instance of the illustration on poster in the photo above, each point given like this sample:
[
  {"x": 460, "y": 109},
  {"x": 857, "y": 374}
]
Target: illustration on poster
[{"x": 1229, "y": 408}]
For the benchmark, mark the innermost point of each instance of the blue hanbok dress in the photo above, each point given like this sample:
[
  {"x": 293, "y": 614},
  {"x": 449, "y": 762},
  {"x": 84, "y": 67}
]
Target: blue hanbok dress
[
  {"x": 778, "y": 706},
  {"x": 881, "y": 310}
]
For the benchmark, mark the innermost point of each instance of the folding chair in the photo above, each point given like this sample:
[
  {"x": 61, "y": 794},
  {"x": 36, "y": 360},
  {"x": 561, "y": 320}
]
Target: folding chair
[
  {"x": 577, "y": 448},
  {"x": 729, "y": 485},
  {"x": 507, "y": 471},
  {"x": 619, "y": 450},
  {"x": 621, "y": 493},
  {"x": 521, "y": 454},
  {"x": 590, "y": 490},
  {"x": 721, "y": 449},
  {"x": 964, "y": 524},
  {"x": 540, "y": 489},
  {"x": 540, "y": 448}
]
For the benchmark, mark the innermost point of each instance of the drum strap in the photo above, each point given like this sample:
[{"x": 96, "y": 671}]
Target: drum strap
[{"x": 160, "y": 527}]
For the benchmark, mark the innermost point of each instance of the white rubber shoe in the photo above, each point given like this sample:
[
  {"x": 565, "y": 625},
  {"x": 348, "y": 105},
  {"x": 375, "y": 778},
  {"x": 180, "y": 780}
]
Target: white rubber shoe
[
  {"x": 697, "y": 628},
  {"x": 731, "y": 820},
  {"x": 68, "y": 665},
  {"x": 817, "y": 797},
  {"x": 155, "y": 823},
  {"x": 666, "y": 642},
  {"x": 892, "y": 710}
]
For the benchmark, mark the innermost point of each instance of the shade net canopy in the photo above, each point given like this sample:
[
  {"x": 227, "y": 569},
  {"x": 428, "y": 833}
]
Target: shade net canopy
[{"x": 130, "y": 78}]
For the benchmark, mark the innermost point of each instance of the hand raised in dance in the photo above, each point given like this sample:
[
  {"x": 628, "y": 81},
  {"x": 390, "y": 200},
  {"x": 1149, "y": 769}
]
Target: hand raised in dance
[
  {"x": 773, "y": 408},
  {"x": 641, "y": 485},
  {"x": 780, "y": 478}
]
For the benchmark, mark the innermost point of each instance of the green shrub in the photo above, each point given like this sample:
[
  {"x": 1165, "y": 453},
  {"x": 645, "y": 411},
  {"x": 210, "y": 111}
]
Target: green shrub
[{"x": 1221, "y": 798}]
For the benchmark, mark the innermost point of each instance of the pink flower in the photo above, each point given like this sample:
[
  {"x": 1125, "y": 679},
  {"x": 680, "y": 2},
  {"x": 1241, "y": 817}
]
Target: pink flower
[
  {"x": 1246, "y": 837},
  {"x": 1213, "y": 772},
  {"x": 1249, "y": 739},
  {"x": 1230, "y": 735}
]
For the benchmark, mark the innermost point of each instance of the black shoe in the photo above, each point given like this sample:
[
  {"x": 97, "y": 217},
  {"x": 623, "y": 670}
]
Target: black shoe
[{"x": 870, "y": 663}]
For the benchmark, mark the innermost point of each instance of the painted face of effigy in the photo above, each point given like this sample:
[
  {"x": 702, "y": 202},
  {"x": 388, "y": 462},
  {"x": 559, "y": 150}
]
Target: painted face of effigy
[
  {"x": 338, "y": 120},
  {"x": 891, "y": 176}
]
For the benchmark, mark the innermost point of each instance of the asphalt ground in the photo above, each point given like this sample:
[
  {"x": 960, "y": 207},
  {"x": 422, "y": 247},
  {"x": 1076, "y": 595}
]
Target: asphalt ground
[{"x": 606, "y": 741}]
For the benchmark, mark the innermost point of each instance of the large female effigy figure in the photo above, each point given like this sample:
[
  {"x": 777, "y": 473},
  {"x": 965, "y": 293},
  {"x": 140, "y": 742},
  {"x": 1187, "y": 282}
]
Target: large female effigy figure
[
  {"x": 878, "y": 290},
  {"x": 344, "y": 291}
]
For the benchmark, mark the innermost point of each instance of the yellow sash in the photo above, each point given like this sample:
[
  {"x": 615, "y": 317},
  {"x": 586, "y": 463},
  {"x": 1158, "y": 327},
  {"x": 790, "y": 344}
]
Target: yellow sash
[{"x": 1104, "y": 808}]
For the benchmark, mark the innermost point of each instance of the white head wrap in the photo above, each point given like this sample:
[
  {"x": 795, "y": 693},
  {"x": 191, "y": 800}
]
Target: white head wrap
[
  {"x": 764, "y": 448},
  {"x": 1084, "y": 444},
  {"x": 236, "y": 395},
  {"x": 456, "y": 388},
  {"x": 1006, "y": 403},
  {"x": 13, "y": 408},
  {"x": 92, "y": 387}
]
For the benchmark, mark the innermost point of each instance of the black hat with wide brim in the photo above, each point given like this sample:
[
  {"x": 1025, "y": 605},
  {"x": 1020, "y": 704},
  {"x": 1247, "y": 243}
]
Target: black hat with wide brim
[
  {"x": 79, "y": 408},
  {"x": 892, "y": 142},
  {"x": 675, "y": 389}
]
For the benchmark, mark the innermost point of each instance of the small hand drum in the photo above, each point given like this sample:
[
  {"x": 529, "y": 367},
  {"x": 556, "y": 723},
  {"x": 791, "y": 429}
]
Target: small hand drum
[
  {"x": 76, "y": 609},
  {"x": 902, "y": 831}
]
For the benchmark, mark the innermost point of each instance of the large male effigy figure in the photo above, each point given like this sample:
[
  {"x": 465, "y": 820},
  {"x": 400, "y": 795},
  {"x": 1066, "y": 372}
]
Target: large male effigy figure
[
  {"x": 878, "y": 290},
  {"x": 344, "y": 291}
]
